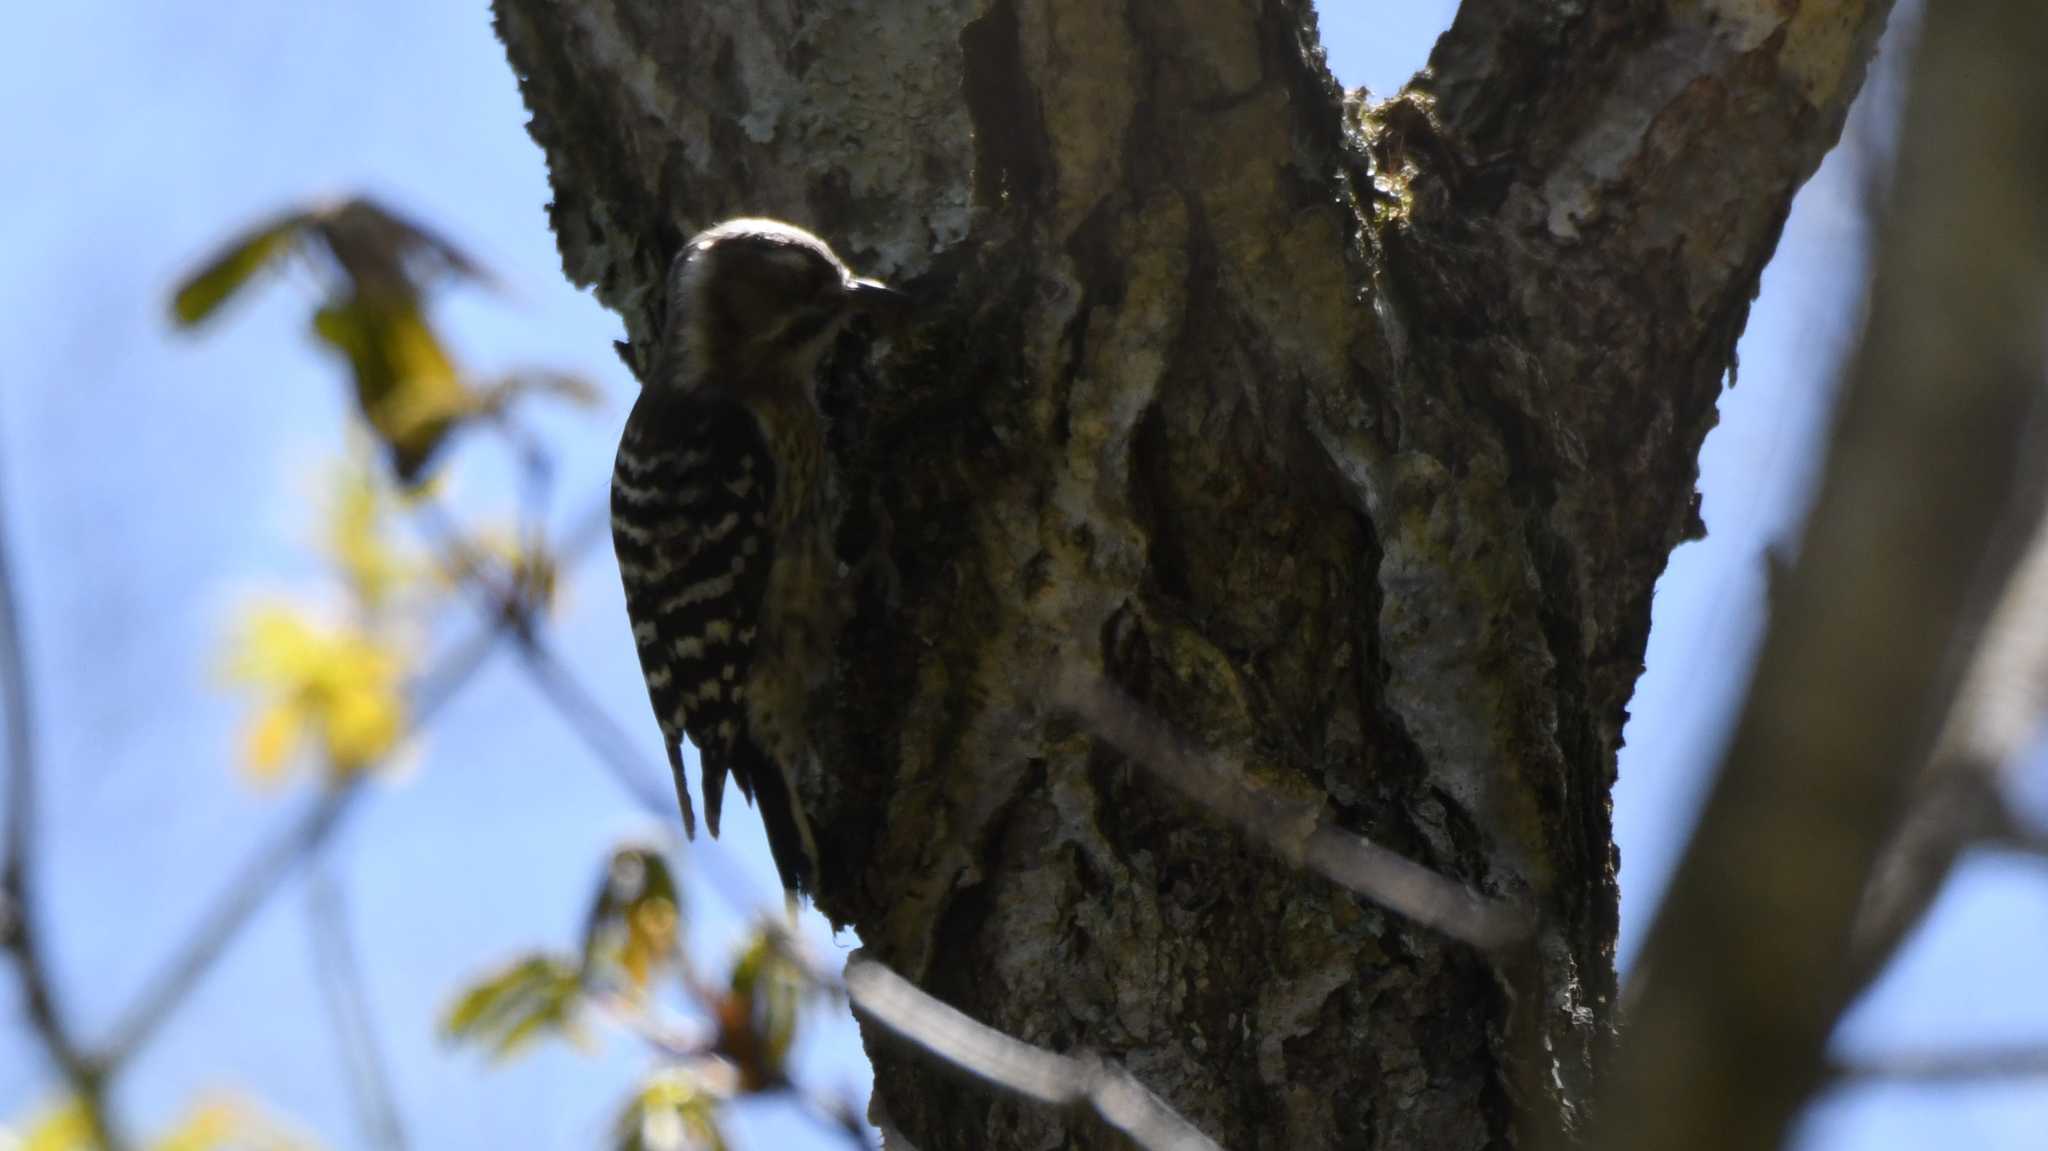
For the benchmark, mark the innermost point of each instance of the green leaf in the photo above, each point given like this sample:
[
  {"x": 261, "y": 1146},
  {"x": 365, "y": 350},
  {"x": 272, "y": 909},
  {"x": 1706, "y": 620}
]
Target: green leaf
[
  {"x": 509, "y": 1008},
  {"x": 203, "y": 292}
]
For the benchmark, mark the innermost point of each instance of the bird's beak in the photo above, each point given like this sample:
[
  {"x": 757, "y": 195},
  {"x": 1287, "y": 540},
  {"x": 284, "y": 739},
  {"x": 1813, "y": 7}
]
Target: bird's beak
[{"x": 875, "y": 298}]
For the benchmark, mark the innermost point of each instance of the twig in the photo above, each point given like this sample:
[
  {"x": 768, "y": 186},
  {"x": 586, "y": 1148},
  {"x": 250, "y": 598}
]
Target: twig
[
  {"x": 1960, "y": 805},
  {"x": 593, "y": 725},
  {"x": 1959, "y": 800},
  {"x": 838, "y": 1116},
  {"x": 257, "y": 881},
  {"x": 2016, "y": 837},
  {"x": 1016, "y": 1066},
  {"x": 19, "y": 930},
  {"x": 334, "y": 954},
  {"x": 697, "y": 1046},
  {"x": 1943, "y": 1067},
  {"x": 1296, "y": 831},
  {"x": 671, "y": 1041}
]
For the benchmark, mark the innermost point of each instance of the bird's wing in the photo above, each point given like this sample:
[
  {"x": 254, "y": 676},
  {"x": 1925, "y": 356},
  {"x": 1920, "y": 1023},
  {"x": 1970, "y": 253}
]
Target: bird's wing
[{"x": 691, "y": 495}]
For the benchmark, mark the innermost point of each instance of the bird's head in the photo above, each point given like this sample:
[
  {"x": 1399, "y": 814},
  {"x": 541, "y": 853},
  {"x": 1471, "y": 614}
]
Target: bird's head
[{"x": 755, "y": 302}]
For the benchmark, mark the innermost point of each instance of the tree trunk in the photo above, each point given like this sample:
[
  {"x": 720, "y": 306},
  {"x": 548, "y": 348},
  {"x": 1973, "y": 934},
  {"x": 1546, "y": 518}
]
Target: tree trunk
[{"x": 1348, "y": 440}]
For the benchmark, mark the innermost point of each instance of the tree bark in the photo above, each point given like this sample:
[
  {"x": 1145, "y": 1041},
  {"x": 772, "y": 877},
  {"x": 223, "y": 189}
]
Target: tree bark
[{"x": 1349, "y": 440}]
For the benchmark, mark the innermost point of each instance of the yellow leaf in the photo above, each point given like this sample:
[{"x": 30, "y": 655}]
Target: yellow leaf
[
  {"x": 204, "y": 1128},
  {"x": 58, "y": 1127},
  {"x": 407, "y": 387},
  {"x": 650, "y": 940},
  {"x": 342, "y": 689},
  {"x": 272, "y": 739},
  {"x": 225, "y": 1123},
  {"x": 362, "y": 726},
  {"x": 63, "y": 1127},
  {"x": 358, "y": 509}
]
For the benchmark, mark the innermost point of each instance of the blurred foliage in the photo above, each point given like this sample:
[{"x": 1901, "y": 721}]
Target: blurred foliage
[
  {"x": 634, "y": 922},
  {"x": 378, "y": 268},
  {"x": 509, "y": 1008},
  {"x": 517, "y": 569},
  {"x": 342, "y": 686},
  {"x": 359, "y": 540},
  {"x": 745, "y": 1028},
  {"x": 228, "y": 1124},
  {"x": 337, "y": 688},
  {"x": 757, "y": 1016},
  {"x": 219, "y": 1123},
  {"x": 672, "y": 1111}
]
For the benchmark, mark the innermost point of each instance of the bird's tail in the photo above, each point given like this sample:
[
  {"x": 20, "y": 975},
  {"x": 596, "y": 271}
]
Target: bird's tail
[
  {"x": 675, "y": 767},
  {"x": 773, "y": 787}
]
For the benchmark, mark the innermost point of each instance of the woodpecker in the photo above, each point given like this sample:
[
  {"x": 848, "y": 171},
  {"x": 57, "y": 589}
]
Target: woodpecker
[{"x": 722, "y": 517}]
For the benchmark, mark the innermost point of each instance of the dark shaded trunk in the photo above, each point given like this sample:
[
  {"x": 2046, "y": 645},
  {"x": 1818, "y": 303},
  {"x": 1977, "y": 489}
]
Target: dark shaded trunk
[{"x": 1349, "y": 441}]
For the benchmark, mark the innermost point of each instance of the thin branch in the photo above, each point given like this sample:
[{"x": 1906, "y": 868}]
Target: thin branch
[
  {"x": 677, "y": 1043},
  {"x": 18, "y": 709},
  {"x": 839, "y": 1116},
  {"x": 1298, "y": 832},
  {"x": 596, "y": 728},
  {"x": 1016, "y": 1066},
  {"x": 1943, "y": 1067},
  {"x": 341, "y": 977},
  {"x": 697, "y": 1045},
  {"x": 2014, "y": 836},
  {"x": 1959, "y": 806},
  {"x": 19, "y": 930},
  {"x": 1960, "y": 800},
  {"x": 257, "y": 881}
]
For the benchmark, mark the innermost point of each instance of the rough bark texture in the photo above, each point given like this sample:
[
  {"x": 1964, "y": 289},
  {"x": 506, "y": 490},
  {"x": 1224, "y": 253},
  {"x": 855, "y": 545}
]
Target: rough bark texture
[{"x": 1350, "y": 440}]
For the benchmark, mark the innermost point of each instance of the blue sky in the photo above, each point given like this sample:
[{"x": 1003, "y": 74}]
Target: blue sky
[{"x": 156, "y": 482}]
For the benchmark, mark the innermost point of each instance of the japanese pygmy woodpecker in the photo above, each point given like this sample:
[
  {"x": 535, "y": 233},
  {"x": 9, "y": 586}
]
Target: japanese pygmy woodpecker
[{"x": 722, "y": 517}]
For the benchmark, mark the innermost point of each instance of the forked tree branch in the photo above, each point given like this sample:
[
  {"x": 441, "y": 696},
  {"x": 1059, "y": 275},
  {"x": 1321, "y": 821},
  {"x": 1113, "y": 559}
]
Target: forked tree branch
[{"x": 1932, "y": 487}]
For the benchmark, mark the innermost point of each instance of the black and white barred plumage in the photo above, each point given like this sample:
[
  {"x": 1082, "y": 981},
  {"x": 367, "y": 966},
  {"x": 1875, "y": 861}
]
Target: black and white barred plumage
[{"x": 722, "y": 518}]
